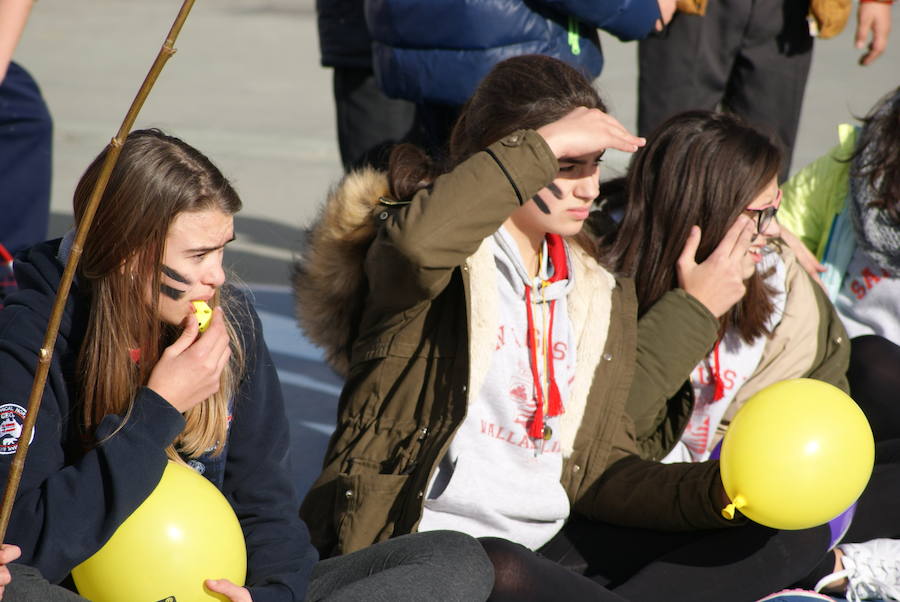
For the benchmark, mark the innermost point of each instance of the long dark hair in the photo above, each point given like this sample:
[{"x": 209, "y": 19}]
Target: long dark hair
[
  {"x": 523, "y": 92},
  {"x": 698, "y": 168},
  {"x": 877, "y": 158}
]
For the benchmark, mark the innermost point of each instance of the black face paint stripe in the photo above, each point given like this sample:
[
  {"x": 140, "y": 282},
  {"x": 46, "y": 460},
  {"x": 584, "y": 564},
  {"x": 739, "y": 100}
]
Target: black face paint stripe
[
  {"x": 555, "y": 190},
  {"x": 174, "y": 275},
  {"x": 541, "y": 204},
  {"x": 172, "y": 293}
]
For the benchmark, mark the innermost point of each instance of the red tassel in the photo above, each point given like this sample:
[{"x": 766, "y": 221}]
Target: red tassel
[
  {"x": 719, "y": 392},
  {"x": 556, "y": 249},
  {"x": 536, "y": 428},
  {"x": 554, "y": 404}
]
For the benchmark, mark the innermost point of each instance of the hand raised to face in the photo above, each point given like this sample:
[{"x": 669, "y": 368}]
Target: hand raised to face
[
  {"x": 718, "y": 282},
  {"x": 588, "y": 131},
  {"x": 189, "y": 369}
]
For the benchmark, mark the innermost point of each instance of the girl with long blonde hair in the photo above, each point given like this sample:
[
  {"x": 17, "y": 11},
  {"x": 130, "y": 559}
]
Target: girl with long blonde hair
[{"x": 134, "y": 384}]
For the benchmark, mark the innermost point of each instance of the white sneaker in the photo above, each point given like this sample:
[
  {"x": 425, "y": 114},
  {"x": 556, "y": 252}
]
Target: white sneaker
[{"x": 872, "y": 570}]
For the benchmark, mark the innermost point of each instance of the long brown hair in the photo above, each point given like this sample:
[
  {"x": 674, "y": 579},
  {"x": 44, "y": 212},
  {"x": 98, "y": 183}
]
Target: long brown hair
[
  {"x": 523, "y": 92},
  {"x": 698, "y": 168},
  {"x": 156, "y": 178}
]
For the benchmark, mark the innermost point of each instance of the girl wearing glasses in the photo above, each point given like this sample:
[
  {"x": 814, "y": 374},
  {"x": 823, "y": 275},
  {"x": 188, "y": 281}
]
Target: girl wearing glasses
[
  {"x": 687, "y": 189},
  {"x": 679, "y": 209}
]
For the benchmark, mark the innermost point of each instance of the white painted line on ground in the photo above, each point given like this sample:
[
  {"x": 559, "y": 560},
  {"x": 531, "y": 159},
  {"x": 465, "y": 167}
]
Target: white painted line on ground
[
  {"x": 319, "y": 427},
  {"x": 247, "y": 246},
  {"x": 283, "y": 336},
  {"x": 306, "y": 382}
]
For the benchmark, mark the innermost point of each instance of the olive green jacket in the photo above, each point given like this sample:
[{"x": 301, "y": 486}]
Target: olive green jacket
[
  {"x": 403, "y": 299},
  {"x": 809, "y": 342}
]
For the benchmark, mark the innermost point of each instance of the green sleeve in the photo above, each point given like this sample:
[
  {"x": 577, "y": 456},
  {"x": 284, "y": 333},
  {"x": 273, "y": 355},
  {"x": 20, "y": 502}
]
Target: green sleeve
[
  {"x": 422, "y": 242},
  {"x": 673, "y": 337},
  {"x": 813, "y": 196}
]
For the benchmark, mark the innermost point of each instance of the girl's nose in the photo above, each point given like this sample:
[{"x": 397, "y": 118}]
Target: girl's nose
[{"x": 588, "y": 187}]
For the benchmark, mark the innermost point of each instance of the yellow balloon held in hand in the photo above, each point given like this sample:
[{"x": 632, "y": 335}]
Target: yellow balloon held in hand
[
  {"x": 184, "y": 533},
  {"x": 796, "y": 455}
]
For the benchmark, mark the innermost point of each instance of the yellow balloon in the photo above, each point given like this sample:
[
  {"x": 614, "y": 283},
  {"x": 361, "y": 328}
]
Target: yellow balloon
[
  {"x": 796, "y": 455},
  {"x": 184, "y": 533}
]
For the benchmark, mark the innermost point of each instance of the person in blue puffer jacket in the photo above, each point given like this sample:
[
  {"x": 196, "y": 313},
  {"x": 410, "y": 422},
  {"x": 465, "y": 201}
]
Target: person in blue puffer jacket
[{"x": 434, "y": 52}]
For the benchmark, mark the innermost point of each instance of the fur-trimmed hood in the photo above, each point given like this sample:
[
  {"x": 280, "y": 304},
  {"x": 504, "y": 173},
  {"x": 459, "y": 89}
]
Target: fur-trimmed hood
[
  {"x": 328, "y": 276},
  {"x": 330, "y": 288}
]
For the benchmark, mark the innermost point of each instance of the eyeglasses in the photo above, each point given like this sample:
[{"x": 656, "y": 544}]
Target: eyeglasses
[{"x": 765, "y": 216}]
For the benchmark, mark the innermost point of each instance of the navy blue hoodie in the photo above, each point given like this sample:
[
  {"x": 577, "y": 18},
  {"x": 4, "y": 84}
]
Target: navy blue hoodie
[{"x": 70, "y": 501}]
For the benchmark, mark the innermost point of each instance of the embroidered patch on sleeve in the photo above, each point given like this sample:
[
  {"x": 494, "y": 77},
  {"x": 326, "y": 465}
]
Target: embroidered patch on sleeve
[{"x": 12, "y": 417}]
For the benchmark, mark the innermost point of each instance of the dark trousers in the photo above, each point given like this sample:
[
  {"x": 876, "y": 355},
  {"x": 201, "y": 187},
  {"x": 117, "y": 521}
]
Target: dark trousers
[
  {"x": 874, "y": 376},
  {"x": 28, "y": 585},
  {"x": 26, "y": 136},
  {"x": 368, "y": 122},
  {"x": 590, "y": 560},
  {"x": 438, "y": 565},
  {"x": 876, "y": 512},
  {"x": 435, "y": 565},
  {"x": 597, "y": 561},
  {"x": 740, "y": 563},
  {"x": 751, "y": 57}
]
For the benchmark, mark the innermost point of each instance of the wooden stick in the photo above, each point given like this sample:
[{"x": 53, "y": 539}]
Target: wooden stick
[{"x": 46, "y": 352}]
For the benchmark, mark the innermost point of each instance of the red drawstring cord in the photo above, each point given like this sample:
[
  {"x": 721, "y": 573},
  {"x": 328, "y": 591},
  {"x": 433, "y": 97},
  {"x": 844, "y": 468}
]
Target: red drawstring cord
[
  {"x": 536, "y": 429},
  {"x": 719, "y": 391},
  {"x": 5, "y": 256},
  {"x": 555, "y": 405},
  {"x": 554, "y": 402}
]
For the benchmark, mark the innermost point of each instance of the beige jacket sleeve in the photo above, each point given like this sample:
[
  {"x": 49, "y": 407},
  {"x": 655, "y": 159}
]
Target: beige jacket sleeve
[{"x": 809, "y": 342}]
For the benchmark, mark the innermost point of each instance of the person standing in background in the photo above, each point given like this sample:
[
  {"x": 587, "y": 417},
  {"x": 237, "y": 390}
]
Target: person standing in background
[
  {"x": 26, "y": 137},
  {"x": 368, "y": 122},
  {"x": 26, "y": 132},
  {"x": 752, "y": 58},
  {"x": 435, "y": 52}
]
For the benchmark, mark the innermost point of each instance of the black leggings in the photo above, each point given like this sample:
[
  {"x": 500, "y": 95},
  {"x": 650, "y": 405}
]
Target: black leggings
[
  {"x": 874, "y": 376},
  {"x": 596, "y": 561},
  {"x": 876, "y": 513},
  {"x": 588, "y": 559}
]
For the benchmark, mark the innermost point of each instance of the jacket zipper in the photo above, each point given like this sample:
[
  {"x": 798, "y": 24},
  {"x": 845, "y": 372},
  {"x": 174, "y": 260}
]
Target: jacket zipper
[
  {"x": 574, "y": 37},
  {"x": 446, "y": 444}
]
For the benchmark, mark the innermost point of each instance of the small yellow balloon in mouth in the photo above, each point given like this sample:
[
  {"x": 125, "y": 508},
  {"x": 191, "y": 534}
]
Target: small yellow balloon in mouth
[{"x": 203, "y": 314}]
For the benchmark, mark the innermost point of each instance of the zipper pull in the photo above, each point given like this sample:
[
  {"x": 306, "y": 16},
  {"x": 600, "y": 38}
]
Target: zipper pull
[{"x": 574, "y": 37}]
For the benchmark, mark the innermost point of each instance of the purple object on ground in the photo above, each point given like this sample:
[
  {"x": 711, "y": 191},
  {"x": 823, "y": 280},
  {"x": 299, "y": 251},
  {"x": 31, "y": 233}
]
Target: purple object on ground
[{"x": 840, "y": 524}]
